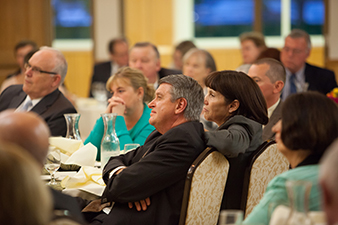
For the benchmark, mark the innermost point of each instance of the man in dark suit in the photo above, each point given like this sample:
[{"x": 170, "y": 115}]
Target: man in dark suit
[
  {"x": 45, "y": 71},
  {"x": 269, "y": 74},
  {"x": 146, "y": 185},
  {"x": 118, "y": 54},
  {"x": 146, "y": 57},
  {"x": 301, "y": 76},
  {"x": 30, "y": 132}
]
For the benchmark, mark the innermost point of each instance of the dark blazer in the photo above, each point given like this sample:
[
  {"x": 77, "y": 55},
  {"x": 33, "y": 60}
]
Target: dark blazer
[
  {"x": 275, "y": 117},
  {"x": 51, "y": 107},
  {"x": 165, "y": 72},
  {"x": 102, "y": 72},
  {"x": 319, "y": 79},
  {"x": 66, "y": 202},
  {"x": 157, "y": 170}
]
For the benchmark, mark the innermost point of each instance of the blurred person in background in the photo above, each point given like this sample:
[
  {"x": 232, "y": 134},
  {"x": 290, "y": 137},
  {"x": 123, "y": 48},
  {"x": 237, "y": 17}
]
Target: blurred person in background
[
  {"x": 302, "y": 138},
  {"x": 20, "y": 77},
  {"x": 270, "y": 53},
  {"x": 236, "y": 104},
  {"x": 118, "y": 54},
  {"x": 252, "y": 45},
  {"x": 180, "y": 50},
  {"x": 328, "y": 179},
  {"x": 146, "y": 57},
  {"x": 198, "y": 64},
  {"x": 269, "y": 74},
  {"x": 300, "y": 75},
  {"x": 24, "y": 199},
  {"x": 130, "y": 95}
]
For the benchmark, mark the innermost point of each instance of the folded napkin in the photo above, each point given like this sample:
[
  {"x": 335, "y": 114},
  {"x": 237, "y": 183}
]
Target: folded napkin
[
  {"x": 67, "y": 146},
  {"x": 88, "y": 179},
  {"x": 73, "y": 152}
]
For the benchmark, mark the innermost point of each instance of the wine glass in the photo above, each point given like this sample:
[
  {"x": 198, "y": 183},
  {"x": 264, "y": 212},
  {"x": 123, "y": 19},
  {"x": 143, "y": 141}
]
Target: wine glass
[
  {"x": 53, "y": 163},
  {"x": 230, "y": 217},
  {"x": 99, "y": 92}
]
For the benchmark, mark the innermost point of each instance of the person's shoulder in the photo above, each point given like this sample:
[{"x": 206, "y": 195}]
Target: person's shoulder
[
  {"x": 103, "y": 64},
  {"x": 187, "y": 130},
  {"x": 310, "y": 67},
  {"x": 13, "y": 89}
]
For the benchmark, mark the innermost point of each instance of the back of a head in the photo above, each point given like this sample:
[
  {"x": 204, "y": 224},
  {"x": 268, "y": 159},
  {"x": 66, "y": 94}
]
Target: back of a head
[
  {"x": 188, "y": 88},
  {"x": 24, "y": 198},
  {"x": 276, "y": 71},
  {"x": 270, "y": 53},
  {"x": 27, "y": 130},
  {"x": 256, "y": 37},
  {"x": 309, "y": 122},
  {"x": 237, "y": 85},
  {"x": 137, "y": 80}
]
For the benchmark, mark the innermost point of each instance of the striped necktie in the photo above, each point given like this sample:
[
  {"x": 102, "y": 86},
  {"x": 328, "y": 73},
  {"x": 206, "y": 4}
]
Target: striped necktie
[
  {"x": 293, "y": 88},
  {"x": 26, "y": 106}
]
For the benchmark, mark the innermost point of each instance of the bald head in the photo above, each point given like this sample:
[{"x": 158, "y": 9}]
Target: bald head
[{"x": 27, "y": 130}]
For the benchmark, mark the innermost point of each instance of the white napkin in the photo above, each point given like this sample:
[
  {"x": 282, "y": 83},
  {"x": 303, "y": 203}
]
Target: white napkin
[
  {"x": 84, "y": 156},
  {"x": 67, "y": 146},
  {"x": 88, "y": 179},
  {"x": 281, "y": 214}
]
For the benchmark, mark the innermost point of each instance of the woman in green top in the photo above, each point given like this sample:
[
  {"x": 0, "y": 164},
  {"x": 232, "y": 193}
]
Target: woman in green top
[{"x": 130, "y": 93}]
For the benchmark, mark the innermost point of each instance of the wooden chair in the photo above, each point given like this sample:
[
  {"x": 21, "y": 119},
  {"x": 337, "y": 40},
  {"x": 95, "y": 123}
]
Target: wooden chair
[
  {"x": 204, "y": 188},
  {"x": 267, "y": 162}
]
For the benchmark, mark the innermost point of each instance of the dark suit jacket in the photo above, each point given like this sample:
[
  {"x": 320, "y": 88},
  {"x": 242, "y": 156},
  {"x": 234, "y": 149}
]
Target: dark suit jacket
[
  {"x": 319, "y": 79},
  {"x": 51, "y": 107},
  {"x": 102, "y": 72},
  {"x": 66, "y": 202},
  {"x": 275, "y": 117},
  {"x": 165, "y": 72},
  {"x": 157, "y": 170}
]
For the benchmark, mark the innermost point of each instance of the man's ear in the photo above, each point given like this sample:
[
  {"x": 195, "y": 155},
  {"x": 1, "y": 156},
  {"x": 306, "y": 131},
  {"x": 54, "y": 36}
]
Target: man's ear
[
  {"x": 234, "y": 105},
  {"x": 56, "y": 80},
  {"x": 181, "y": 104},
  {"x": 278, "y": 86}
]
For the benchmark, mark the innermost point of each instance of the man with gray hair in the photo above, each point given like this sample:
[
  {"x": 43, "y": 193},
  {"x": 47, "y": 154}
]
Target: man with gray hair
[
  {"x": 269, "y": 74},
  {"x": 328, "y": 179},
  {"x": 302, "y": 76},
  {"x": 45, "y": 72},
  {"x": 147, "y": 184}
]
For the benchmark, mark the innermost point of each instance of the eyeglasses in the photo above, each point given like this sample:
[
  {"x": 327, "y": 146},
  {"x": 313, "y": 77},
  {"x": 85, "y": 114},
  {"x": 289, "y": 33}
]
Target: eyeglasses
[
  {"x": 34, "y": 69},
  {"x": 293, "y": 50}
]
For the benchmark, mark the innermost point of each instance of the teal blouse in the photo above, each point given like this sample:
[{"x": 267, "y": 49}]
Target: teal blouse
[
  {"x": 138, "y": 134},
  {"x": 276, "y": 193}
]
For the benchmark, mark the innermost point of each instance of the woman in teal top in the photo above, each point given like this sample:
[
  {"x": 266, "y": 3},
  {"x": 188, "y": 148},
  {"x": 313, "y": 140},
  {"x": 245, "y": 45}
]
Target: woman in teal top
[
  {"x": 130, "y": 93},
  {"x": 309, "y": 124}
]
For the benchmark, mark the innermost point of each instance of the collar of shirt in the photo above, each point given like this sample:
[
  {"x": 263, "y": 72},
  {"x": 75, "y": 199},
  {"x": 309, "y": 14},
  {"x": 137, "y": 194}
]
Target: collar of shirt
[
  {"x": 156, "y": 82},
  {"x": 34, "y": 102},
  {"x": 272, "y": 108},
  {"x": 114, "y": 68}
]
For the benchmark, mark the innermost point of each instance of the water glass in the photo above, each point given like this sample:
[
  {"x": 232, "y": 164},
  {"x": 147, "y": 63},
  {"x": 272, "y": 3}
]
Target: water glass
[
  {"x": 230, "y": 217},
  {"x": 53, "y": 163},
  {"x": 129, "y": 147}
]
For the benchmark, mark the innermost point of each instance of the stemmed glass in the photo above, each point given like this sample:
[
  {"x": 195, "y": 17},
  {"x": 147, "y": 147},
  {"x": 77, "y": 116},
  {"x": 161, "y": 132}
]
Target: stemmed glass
[{"x": 53, "y": 163}]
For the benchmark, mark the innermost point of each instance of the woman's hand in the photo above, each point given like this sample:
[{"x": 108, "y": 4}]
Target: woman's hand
[{"x": 116, "y": 105}]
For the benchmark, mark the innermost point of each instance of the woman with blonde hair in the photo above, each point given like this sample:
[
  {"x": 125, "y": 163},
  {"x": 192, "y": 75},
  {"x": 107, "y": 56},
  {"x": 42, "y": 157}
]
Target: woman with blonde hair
[
  {"x": 24, "y": 198},
  {"x": 130, "y": 93}
]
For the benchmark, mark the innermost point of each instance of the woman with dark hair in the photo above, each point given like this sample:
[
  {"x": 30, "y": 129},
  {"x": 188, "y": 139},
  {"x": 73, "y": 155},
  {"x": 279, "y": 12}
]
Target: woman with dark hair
[
  {"x": 236, "y": 104},
  {"x": 308, "y": 126}
]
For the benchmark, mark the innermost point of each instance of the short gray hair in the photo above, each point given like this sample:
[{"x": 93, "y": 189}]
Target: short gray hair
[
  {"x": 298, "y": 33},
  {"x": 61, "y": 65},
  {"x": 276, "y": 71},
  {"x": 188, "y": 88},
  {"x": 209, "y": 60}
]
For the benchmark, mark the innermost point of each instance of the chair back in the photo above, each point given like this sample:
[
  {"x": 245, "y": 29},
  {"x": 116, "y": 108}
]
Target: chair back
[
  {"x": 204, "y": 188},
  {"x": 266, "y": 163}
]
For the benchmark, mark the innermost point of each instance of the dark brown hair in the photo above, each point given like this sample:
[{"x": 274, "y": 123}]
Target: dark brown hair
[
  {"x": 115, "y": 41},
  {"x": 309, "y": 122},
  {"x": 237, "y": 85}
]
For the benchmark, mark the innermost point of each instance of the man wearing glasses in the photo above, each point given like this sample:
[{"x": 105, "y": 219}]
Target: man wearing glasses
[
  {"x": 45, "y": 72},
  {"x": 301, "y": 76}
]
